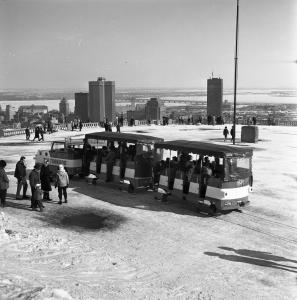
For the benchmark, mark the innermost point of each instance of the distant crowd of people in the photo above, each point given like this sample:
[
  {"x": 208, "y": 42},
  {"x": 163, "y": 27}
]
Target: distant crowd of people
[{"x": 39, "y": 180}]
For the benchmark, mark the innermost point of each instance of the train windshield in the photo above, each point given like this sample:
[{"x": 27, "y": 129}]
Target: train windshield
[{"x": 238, "y": 167}]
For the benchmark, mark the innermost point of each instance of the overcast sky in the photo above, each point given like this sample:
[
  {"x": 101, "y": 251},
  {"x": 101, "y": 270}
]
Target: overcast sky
[{"x": 146, "y": 43}]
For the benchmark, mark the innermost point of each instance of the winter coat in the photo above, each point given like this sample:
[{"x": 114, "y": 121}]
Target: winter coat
[
  {"x": 4, "y": 181},
  {"x": 226, "y": 132},
  {"x": 34, "y": 178},
  {"x": 20, "y": 170},
  {"x": 45, "y": 178},
  {"x": 62, "y": 179}
]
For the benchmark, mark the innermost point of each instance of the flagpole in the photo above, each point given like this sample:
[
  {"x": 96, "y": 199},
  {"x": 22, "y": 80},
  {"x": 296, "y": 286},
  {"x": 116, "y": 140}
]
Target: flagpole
[{"x": 235, "y": 72}]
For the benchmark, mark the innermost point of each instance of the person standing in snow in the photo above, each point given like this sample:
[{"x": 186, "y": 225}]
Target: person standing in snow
[
  {"x": 27, "y": 131},
  {"x": 225, "y": 133},
  {"x": 20, "y": 175},
  {"x": 232, "y": 134},
  {"x": 45, "y": 177},
  {"x": 4, "y": 182},
  {"x": 62, "y": 183},
  {"x": 34, "y": 179}
]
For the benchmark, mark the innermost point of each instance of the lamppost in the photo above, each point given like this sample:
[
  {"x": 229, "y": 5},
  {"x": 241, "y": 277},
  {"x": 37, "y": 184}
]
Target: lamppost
[{"x": 235, "y": 73}]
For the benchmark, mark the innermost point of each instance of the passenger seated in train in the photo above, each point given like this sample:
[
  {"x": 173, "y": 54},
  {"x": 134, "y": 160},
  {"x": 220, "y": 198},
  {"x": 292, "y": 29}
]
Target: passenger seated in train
[
  {"x": 187, "y": 173},
  {"x": 173, "y": 166},
  {"x": 206, "y": 173},
  {"x": 157, "y": 169},
  {"x": 123, "y": 159},
  {"x": 110, "y": 160},
  {"x": 132, "y": 151}
]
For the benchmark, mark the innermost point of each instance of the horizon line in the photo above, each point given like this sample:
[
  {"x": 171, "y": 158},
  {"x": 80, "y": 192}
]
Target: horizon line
[{"x": 145, "y": 88}]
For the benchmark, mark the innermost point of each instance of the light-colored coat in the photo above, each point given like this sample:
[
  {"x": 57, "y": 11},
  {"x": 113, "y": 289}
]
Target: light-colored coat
[
  {"x": 62, "y": 178},
  {"x": 4, "y": 181}
]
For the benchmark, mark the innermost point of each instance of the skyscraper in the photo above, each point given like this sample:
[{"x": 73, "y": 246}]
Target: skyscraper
[
  {"x": 214, "y": 96},
  {"x": 81, "y": 106},
  {"x": 64, "y": 107},
  {"x": 10, "y": 112},
  {"x": 152, "y": 109},
  {"x": 96, "y": 108},
  {"x": 109, "y": 89},
  {"x": 101, "y": 100}
]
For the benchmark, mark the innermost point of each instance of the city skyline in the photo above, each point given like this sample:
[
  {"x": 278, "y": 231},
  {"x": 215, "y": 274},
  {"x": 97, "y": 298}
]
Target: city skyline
[{"x": 146, "y": 44}]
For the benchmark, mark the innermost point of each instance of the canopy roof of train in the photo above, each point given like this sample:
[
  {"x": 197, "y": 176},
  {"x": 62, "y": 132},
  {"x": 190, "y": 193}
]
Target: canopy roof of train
[
  {"x": 123, "y": 137},
  {"x": 205, "y": 148}
]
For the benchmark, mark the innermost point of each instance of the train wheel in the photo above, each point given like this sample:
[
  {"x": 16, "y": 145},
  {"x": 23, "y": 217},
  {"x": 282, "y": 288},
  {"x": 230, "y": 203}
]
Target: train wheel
[
  {"x": 130, "y": 188},
  {"x": 212, "y": 210}
]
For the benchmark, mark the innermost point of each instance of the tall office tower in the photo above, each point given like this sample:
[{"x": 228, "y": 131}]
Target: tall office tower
[
  {"x": 64, "y": 107},
  {"x": 133, "y": 104},
  {"x": 10, "y": 112},
  {"x": 81, "y": 106},
  {"x": 109, "y": 89},
  {"x": 214, "y": 96},
  {"x": 152, "y": 109},
  {"x": 96, "y": 107}
]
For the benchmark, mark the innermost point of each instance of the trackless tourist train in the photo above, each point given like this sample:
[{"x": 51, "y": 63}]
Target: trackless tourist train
[
  {"x": 212, "y": 176},
  {"x": 120, "y": 158}
]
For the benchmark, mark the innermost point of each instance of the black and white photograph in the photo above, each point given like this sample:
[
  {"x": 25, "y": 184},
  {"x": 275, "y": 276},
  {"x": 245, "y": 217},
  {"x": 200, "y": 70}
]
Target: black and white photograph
[{"x": 148, "y": 149}]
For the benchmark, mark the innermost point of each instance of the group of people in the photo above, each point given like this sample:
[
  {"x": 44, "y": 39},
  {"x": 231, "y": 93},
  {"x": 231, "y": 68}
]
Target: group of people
[
  {"x": 189, "y": 168},
  {"x": 39, "y": 180},
  {"x": 76, "y": 124},
  {"x": 38, "y": 133},
  {"x": 226, "y": 133},
  {"x": 108, "y": 154}
]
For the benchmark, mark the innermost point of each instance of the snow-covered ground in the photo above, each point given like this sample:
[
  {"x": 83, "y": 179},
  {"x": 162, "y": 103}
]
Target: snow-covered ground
[{"x": 109, "y": 244}]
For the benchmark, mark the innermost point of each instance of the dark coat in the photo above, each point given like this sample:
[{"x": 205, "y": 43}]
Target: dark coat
[
  {"x": 45, "y": 178},
  {"x": 20, "y": 170},
  {"x": 34, "y": 178}
]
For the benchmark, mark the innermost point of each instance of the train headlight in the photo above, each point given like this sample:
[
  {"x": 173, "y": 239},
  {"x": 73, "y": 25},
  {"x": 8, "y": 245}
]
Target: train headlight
[{"x": 250, "y": 189}]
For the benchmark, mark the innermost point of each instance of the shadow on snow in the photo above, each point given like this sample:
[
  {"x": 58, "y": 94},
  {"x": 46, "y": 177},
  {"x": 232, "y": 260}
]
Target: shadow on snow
[
  {"x": 258, "y": 258},
  {"x": 66, "y": 217},
  {"x": 116, "y": 194}
]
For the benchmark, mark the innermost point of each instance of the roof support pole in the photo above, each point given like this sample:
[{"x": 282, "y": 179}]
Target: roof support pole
[{"x": 235, "y": 72}]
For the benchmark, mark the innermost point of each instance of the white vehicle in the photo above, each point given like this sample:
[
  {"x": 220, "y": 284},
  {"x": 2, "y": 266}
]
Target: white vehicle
[{"x": 68, "y": 153}]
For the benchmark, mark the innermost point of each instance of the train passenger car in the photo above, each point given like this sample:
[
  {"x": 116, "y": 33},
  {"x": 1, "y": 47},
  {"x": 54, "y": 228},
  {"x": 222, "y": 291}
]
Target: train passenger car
[
  {"x": 121, "y": 158},
  {"x": 218, "y": 177},
  {"x": 68, "y": 153}
]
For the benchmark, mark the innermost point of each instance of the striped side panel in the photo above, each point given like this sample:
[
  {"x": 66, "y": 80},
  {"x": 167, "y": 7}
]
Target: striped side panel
[
  {"x": 227, "y": 194},
  {"x": 194, "y": 188},
  {"x": 129, "y": 173},
  {"x": 163, "y": 180},
  {"x": 178, "y": 184},
  {"x": 116, "y": 170}
]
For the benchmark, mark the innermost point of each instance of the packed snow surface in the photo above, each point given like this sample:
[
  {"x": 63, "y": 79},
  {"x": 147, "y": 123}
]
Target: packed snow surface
[{"x": 110, "y": 244}]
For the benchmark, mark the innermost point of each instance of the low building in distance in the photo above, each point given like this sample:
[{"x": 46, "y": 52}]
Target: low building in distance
[{"x": 33, "y": 109}]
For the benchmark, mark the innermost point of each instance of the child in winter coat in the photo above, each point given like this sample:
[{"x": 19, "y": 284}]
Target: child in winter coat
[{"x": 62, "y": 183}]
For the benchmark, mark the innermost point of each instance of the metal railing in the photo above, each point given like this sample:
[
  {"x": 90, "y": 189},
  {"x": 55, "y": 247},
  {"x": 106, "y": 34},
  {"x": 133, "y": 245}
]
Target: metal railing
[{"x": 19, "y": 131}]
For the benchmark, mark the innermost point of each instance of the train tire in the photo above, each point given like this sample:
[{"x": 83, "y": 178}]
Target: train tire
[
  {"x": 130, "y": 188},
  {"x": 212, "y": 210}
]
